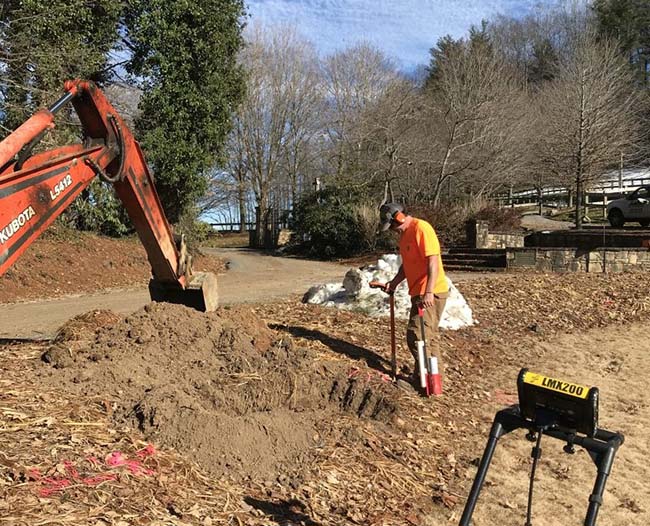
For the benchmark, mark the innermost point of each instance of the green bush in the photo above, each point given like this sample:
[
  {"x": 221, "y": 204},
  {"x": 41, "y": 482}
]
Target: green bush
[
  {"x": 98, "y": 210},
  {"x": 339, "y": 222},
  {"x": 335, "y": 222}
]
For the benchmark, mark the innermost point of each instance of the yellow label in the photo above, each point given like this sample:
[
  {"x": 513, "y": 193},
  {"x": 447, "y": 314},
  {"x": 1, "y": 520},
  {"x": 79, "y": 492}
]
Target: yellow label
[{"x": 577, "y": 390}]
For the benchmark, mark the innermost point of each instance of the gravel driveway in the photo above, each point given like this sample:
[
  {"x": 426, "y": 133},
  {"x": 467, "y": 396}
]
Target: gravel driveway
[
  {"x": 252, "y": 277},
  {"x": 536, "y": 222}
]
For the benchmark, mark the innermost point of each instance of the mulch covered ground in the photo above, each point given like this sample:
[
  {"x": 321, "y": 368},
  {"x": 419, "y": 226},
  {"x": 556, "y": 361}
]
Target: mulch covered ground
[{"x": 73, "y": 458}]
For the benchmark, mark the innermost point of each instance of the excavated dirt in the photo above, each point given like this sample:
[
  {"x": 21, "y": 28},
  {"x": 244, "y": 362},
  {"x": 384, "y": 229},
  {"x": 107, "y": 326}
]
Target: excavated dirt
[{"x": 218, "y": 387}]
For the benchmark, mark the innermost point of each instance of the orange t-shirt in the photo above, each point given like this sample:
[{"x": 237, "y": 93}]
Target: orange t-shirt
[{"x": 417, "y": 243}]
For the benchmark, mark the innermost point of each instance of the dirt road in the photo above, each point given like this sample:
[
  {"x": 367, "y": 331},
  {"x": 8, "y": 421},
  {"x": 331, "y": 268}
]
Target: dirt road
[
  {"x": 252, "y": 277},
  {"x": 536, "y": 222}
]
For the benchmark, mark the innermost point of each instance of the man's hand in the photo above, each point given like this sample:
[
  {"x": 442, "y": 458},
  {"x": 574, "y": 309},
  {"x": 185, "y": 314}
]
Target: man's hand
[
  {"x": 386, "y": 287},
  {"x": 428, "y": 300}
]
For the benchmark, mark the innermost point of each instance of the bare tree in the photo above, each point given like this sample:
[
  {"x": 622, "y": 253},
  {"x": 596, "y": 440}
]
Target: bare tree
[
  {"x": 384, "y": 139},
  {"x": 473, "y": 118},
  {"x": 229, "y": 192},
  {"x": 305, "y": 121},
  {"x": 355, "y": 80},
  {"x": 535, "y": 43},
  {"x": 278, "y": 119},
  {"x": 590, "y": 114}
]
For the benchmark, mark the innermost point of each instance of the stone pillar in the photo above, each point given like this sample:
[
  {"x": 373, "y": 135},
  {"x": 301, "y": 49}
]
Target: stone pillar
[{"x": 477, "y": 233}]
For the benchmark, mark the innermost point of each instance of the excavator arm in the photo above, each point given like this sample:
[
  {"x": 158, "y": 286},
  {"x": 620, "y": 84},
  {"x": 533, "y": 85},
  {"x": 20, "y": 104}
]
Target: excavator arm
[{"x": 36, "y": 188}]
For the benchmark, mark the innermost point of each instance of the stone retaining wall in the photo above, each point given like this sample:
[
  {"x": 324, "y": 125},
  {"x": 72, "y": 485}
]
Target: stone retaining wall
[
  {"x": 479, "y": 236},
  {"x": 590, "y": 239},
  {"x": 504, "y": 240},
  {"x": 577, "y": 260}
]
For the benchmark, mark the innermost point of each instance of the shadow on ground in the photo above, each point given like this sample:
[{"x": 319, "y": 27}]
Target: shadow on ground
[
  {"x": 285, "y": 512},
  {"x": 372, "y": 359}
]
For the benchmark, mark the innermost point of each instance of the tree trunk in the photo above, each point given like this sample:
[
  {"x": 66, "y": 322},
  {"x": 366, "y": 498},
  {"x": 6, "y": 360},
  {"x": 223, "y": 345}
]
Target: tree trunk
[
  {"x": 578, "y": 213},
  {"x": 436, "y": 195},
  {"x": 581, "y": 145},
  {"x": 241, "y": 197},
  {"x": 262, "y": 213}
]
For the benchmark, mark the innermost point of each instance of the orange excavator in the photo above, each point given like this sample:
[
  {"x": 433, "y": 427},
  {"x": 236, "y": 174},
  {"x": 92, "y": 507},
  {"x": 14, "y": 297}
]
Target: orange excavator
[{"x": 35, "y": 188}]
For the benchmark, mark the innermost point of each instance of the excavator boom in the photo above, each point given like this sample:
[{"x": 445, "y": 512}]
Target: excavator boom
[{"x": 36, "y": 188}]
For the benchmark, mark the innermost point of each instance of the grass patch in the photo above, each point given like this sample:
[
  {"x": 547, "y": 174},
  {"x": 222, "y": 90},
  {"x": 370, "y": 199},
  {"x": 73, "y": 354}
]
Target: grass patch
[{"x": 227, "y": 240}]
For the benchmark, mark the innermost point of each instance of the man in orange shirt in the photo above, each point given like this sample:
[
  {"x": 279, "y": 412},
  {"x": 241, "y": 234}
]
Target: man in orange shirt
[{"x": 422, "y": 268}]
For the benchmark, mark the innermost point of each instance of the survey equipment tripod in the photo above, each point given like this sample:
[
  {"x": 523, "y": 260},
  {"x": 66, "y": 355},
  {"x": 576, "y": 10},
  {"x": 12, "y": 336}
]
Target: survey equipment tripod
[{"x": 562, "y": 410}]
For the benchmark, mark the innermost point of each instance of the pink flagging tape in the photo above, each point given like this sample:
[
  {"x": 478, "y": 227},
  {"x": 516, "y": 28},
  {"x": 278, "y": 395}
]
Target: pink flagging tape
[
  {"x": 50, "y": 486},
  {"x": 117, "y": 458},
  {"x": 355, "y": 372}
]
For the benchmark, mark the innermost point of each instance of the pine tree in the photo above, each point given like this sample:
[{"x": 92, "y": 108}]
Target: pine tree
[
  {"x": 627, "y": 21},
  {"x": 543, "y": 63}
]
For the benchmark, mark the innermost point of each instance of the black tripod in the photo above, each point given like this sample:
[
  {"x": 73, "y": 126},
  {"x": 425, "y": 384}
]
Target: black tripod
[{"x": 602, "y": 448}]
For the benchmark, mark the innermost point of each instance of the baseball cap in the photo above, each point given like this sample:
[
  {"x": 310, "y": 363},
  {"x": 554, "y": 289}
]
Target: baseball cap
[{"x": 387, "y": 212}]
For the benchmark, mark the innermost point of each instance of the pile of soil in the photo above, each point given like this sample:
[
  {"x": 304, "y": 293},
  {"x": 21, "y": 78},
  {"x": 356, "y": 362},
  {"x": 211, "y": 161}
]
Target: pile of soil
[{"x": 219, "y": 387}]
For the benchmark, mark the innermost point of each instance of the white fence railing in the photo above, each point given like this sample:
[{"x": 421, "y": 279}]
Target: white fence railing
[{"x": 619, "y": 185}]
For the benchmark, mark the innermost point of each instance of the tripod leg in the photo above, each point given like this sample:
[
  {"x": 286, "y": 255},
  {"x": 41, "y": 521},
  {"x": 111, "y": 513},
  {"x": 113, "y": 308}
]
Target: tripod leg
[
  {"x": 496, "y": 433},
  {"x": 505, "y": 421},
  {"x": 478, "y": 481},
  {"x": 604, "y": 464}
]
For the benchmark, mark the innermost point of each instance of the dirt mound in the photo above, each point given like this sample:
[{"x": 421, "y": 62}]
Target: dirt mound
[
  {"x": 219, "y": 386},
  {"x": 83, "y": 328}
]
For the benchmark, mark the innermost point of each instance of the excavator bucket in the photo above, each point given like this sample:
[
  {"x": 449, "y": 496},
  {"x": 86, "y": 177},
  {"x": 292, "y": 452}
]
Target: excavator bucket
[{"x": 201, "y": 293}]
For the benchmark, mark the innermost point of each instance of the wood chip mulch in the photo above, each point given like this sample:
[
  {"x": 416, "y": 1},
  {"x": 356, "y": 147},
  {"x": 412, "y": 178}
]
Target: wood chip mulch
[{"x": 64, "y": 461}]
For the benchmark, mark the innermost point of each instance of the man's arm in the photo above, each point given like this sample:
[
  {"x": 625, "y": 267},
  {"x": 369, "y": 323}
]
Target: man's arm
[{"x": 432, "y": 277}]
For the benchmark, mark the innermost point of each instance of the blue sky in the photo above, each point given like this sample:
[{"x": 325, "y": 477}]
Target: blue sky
[{"x": 404, "y": 29}]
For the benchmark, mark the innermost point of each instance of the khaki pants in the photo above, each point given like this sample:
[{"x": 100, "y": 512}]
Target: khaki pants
[{"x": 431, "y": 336}]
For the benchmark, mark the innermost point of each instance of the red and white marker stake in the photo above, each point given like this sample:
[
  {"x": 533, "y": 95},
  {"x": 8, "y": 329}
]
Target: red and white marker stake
[
  {"x": 434, "y": 378},
  {"x": 430, "y": 379},
  {"x": 422, "y": 365}
]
